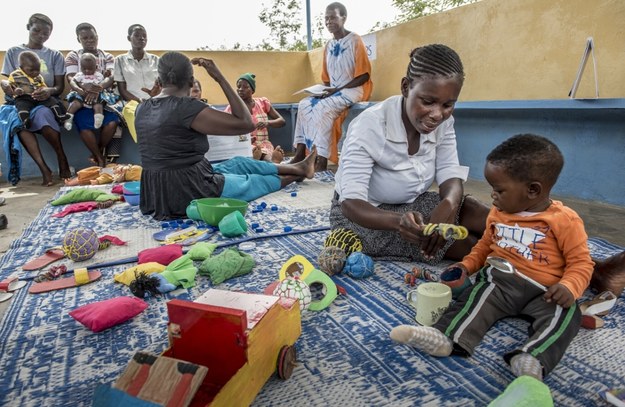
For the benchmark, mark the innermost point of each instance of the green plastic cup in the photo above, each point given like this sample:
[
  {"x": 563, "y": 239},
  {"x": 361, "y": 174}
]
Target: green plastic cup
[{"x": 233, "y": 224}]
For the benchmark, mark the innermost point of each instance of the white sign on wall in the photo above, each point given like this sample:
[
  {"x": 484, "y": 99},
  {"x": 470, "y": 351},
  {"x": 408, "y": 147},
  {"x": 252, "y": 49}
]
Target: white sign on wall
[{"x": 370, "y": 45}]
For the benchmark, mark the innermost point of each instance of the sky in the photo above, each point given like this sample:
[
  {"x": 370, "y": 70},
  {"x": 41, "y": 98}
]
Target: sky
[{"x": 189, "y": 25}]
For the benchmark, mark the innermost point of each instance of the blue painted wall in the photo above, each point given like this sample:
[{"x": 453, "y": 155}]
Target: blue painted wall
[{"x": 590, "y": 133}]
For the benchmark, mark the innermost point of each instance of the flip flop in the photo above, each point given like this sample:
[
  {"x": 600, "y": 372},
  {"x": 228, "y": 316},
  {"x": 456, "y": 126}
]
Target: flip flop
[
  {"x": 81, "y": 276},
  {"x": 10, "y": 284},
  {"x": 5, "y": 296},
  {"x": 50, "y": 256},
  {"x": 600, "y": 305}
]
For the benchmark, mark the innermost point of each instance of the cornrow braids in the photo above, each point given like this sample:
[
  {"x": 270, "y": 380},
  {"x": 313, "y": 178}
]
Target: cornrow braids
[{"x": 434, "y": 60}]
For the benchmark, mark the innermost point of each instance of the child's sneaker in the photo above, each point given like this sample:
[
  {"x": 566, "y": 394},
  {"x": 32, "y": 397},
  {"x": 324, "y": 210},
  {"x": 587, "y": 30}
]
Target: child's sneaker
[
  {"x": 425, "y": 338},
  {"x": 98, "y": 118},
  {"x": 69, "y": 122},
  {"x": 524, "y": 364}
]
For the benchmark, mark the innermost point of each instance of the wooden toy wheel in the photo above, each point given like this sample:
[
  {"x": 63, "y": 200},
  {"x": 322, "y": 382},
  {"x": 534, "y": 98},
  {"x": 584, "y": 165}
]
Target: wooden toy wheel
[{"x": 287, "y": 360}]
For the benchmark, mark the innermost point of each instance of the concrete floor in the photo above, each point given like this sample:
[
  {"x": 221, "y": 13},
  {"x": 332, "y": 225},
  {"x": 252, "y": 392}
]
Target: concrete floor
[{"x": 23, "y": 203}]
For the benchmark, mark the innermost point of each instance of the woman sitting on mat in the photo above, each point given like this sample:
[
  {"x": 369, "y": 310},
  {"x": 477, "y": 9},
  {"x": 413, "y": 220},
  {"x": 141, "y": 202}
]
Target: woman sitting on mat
[
  {"x": 392, "y": 154},
  {"x": 171, "y": 133}
]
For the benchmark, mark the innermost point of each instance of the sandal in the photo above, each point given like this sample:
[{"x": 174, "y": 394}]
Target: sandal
[
  {"x": 600, "y": 305},
  {"x": 49, "y": 256},
  {"x": 10, "y": 284}
]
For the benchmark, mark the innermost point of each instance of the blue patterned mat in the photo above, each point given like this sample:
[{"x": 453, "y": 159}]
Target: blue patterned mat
[{"x": 345, "y": 354}]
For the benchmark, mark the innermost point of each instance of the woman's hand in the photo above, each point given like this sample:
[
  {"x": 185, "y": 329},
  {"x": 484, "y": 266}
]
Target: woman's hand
[
  {"x": 411, "y": 227},
  {"x": 329, "y": 92},
  {"x": 156, "y": 89},
  {"x": 92, "y": 88},
  {"x": 91, "y": 92},
  {"x": 210, "y": 66},
  {"x": 443, "y": 213},
  {"x": 262, "y": 125},
  {"x": 41, "y": 94}
]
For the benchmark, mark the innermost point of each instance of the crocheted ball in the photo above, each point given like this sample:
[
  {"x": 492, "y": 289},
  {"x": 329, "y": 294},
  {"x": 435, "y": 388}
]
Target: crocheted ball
[
  {"x": 80, "y": 244},
  {"x": 359, "y": 265},
  {"x": 293, "y": 287},
  {"x": 344, "y": 239},
  {"x": 331, "y": 260}
]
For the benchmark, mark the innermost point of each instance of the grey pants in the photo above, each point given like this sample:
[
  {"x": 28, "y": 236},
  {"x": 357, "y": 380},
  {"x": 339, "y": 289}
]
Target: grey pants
[{"x": 496, "y": 295}]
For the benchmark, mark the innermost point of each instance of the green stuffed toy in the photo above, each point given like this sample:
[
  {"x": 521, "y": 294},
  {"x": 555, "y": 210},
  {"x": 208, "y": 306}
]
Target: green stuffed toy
[
  {"x": 227, "y": 264},
  {"x": 84, "y": 195},
  {"x": 524, "y": 391}
]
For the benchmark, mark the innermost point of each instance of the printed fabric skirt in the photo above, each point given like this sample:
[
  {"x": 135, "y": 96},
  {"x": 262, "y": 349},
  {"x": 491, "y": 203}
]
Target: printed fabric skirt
[{"x": 388, "y": 244}]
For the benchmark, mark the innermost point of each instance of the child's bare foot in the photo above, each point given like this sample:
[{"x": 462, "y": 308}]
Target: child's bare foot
[
  {"x": 257, "y": 153},
  {"x": 609, "y": 274},
  {"x": 71, "y": 182},
  {"x": 278, "y": 155}
]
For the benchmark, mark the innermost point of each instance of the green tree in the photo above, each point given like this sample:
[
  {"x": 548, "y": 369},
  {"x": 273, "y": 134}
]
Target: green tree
[
  {"x": 284, "y": 19},
  {"x": 411, "y": 9}
]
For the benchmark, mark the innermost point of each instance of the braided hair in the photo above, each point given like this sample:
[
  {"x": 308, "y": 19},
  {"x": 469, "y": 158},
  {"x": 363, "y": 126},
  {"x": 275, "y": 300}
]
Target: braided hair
[
  {"x": 434, "y": 60},
  {"x": 175, "y": 69}
]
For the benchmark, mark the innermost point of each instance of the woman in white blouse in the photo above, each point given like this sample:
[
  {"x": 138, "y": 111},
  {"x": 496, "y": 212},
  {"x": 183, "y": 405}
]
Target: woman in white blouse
[{"x": 394, "y": 152}]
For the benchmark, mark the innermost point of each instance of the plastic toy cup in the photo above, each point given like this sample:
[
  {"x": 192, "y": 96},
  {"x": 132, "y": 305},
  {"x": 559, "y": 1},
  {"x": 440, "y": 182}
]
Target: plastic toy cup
[
  {"x": 233, "y": 224},
  {"x": 193, "y": 212},
  {"x": 431, "y": 301}
]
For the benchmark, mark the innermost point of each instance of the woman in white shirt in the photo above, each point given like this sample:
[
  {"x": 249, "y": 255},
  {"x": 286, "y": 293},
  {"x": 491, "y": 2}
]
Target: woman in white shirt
[{"x": 394, "y": 152}]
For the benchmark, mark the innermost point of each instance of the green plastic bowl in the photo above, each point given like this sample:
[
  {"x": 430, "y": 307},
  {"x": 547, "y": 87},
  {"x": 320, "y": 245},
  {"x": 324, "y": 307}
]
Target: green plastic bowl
[{"x": 212, "y": 210}]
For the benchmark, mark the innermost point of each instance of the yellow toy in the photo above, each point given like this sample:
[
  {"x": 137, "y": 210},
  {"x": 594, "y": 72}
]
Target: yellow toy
[{"x": 447, "y": 230}]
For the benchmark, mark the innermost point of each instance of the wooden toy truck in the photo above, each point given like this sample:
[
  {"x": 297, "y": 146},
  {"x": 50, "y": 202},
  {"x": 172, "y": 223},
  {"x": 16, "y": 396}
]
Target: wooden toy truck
[{"x": 242, "y": 338}]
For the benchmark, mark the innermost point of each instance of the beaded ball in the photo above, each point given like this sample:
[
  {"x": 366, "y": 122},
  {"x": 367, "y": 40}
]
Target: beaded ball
[
  {"x": 80, "y": 244},
  {"x": 331, "y": 260},
  {"x": 344, "y": 239},
  {"x": 359, "y": 265},
  {"x": 293, "y": 287}
]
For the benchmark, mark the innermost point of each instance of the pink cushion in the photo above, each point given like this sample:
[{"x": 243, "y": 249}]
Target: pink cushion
[
  {"x": 161, "y": 255},
  {"x": 101, "y": 315}
]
